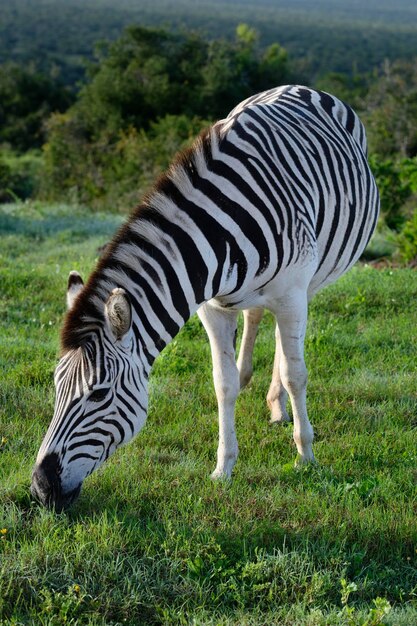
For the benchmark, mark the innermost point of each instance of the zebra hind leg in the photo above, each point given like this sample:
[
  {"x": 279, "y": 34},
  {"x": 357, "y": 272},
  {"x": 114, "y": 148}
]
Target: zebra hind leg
[
  {"x": 292, "y": 320},
  {"x": 221, "y": 326},
  {"x": 277, "y": 395},
  {"x": 251, "y": 320}
]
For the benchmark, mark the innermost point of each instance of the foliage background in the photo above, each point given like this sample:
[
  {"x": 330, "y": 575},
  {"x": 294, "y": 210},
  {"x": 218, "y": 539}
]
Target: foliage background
[{"x": 95, "y": 124}]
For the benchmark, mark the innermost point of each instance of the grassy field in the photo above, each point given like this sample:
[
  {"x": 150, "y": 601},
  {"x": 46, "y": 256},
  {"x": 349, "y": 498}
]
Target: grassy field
[{"x": 152, "y": 540}]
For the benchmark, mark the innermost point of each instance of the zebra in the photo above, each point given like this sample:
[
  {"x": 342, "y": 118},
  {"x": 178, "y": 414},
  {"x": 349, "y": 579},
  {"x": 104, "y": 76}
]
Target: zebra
[{"x": 266, "y": 207}]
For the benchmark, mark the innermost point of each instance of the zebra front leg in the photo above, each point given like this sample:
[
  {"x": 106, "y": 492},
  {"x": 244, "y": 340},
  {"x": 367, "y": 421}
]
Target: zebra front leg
[
  {"x": 292, "y": 320},
  {"x": 251, "y": 320},
  {"x": 277, "y": 395},
  {"x": 220, "y": 326}
]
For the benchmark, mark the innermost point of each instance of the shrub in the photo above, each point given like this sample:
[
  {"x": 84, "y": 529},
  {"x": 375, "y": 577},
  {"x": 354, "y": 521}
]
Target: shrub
[
  {"x": 27, "y": 98},
  {"x": 394, "y": 190},
  {"x": 407, "y": 241},
  {"x": 19, "y": 175},
  {"x": 111, "y": 173},
  {"x": 146, "y": 98}
]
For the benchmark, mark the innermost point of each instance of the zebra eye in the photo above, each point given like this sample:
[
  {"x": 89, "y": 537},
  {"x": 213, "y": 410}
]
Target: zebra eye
[{"x": 98, "y": 395}]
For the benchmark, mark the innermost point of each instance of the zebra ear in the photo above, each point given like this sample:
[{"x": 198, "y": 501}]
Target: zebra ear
[
  {"x": 118, "y": 313},
  {"x": 75, "y": 285}
]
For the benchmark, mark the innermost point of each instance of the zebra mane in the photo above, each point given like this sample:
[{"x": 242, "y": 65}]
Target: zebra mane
[{"x": 86, "y": 317}]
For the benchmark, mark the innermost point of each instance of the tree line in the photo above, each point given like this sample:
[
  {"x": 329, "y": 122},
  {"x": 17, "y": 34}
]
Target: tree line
[{"x": 320, "y": 35}]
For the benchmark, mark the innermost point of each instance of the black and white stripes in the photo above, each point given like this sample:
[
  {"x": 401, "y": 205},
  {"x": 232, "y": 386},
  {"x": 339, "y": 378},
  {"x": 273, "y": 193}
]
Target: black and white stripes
[{"x": 268, "y": 206}]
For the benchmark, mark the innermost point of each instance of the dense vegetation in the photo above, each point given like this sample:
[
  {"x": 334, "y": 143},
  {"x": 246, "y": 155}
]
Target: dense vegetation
[
  {"x": 321, "y": 36},
  {"x": 152, "y": 539},
  {"x": 149, "y": 92}
]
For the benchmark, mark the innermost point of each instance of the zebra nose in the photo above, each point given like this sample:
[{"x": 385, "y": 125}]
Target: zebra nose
[{"x": 46, "y": 484}]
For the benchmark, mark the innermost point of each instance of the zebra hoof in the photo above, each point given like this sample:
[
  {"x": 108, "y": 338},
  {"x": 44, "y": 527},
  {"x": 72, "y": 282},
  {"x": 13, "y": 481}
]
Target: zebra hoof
[
  {"x": 304, "y": 462},
  {"x": 283, "y": 418},
  {"x": 245, "y": 378},
  {"x": 220, "y": 476}
]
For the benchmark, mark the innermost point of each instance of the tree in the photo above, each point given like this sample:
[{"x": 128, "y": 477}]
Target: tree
[
  {"x": 27, "y": 98},
  {"x": 145, "y": 74},
  {"x": 149, "y": 73},
  {"x": 151, "y": 79},
  {"x": 236, "y": 70},
  {"x": 391, "y": 111},
  {"x": 393, "y": 188}
]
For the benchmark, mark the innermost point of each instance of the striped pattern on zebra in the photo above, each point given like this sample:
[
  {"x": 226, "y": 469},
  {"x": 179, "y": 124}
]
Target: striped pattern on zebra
[{"x": 267, "y": 207}]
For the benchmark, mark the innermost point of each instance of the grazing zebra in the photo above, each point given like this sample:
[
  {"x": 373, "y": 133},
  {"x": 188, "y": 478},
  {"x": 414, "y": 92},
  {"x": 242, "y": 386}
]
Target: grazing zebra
[{"x": 267, "y": 207}]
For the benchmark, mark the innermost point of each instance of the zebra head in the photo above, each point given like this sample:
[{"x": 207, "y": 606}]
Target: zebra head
[{"x": 100, "y": 402}]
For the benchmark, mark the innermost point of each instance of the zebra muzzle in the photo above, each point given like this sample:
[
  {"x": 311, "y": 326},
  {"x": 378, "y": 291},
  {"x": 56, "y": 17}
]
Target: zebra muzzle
[{"x": 46, "y": 485}]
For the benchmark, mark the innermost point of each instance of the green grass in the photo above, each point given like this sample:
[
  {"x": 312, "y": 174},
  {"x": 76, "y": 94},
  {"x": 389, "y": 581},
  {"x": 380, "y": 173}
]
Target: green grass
[{"x": 152, "y": 540}]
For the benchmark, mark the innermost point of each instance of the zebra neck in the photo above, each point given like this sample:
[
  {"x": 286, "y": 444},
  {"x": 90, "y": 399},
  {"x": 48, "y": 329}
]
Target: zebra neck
[
  {"x": 172, "y": 255},
  {"x": 165, "y": 275}
]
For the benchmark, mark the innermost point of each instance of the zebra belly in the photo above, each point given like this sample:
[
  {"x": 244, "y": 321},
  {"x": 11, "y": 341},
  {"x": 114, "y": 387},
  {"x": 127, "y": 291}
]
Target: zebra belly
[
  {"x": 338, "y": 254},
  {"x": 261, "y": 293}
]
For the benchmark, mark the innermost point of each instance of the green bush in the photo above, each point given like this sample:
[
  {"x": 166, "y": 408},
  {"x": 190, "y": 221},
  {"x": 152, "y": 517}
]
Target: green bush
[
  {"x": 409, "y": 172},
  {"x": 112, "y": 173},
  {"x": 390, "y": 110},
  {"x": 27, "y": 98},
  {"x": 150, "y": 72},
  {"x": 407, "y": 240},
  {"x": 147, "y": 97},
  {"x": 394, "y": 190},
  {"x": 19, "y": 175}
]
